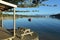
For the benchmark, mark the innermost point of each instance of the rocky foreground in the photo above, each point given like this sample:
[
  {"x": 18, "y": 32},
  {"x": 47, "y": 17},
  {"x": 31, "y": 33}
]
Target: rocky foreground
[{"x": 24, "y": 34}]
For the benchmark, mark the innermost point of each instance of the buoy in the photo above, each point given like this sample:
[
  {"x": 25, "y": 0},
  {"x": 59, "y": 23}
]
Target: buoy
[{"x": 29, "y": 19}]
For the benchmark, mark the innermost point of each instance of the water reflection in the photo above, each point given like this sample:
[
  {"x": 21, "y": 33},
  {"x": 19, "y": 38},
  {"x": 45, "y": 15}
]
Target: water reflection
[
  {"x": 56, "y": 17},
  {"x": 47, "y": 28}
]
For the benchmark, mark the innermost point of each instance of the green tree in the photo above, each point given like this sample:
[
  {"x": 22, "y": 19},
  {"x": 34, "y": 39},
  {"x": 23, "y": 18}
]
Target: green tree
[{"x": 26, "y": 3}]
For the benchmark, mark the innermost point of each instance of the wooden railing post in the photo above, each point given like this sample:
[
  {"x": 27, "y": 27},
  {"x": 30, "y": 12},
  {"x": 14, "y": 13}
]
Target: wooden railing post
[{"x": 14, "y": 23}]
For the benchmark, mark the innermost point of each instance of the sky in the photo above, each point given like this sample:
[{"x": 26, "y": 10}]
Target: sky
[{"x": 43, "y": 10}]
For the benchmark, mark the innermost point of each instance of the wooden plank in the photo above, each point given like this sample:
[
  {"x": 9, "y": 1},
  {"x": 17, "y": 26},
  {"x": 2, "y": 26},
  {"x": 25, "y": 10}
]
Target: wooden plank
[{"x": 8, "y": 4}]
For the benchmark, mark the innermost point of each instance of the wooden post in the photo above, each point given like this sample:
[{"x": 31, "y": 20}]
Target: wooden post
[
  {"x": 14, "y": 23},
  {"x": 2, "y": 20}
]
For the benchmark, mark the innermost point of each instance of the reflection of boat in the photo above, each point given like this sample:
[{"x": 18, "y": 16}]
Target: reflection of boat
[{"x": 29, "y": 19}]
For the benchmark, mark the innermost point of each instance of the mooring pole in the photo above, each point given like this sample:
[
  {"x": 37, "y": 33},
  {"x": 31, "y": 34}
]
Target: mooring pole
[{"x": 14, "y": 23}]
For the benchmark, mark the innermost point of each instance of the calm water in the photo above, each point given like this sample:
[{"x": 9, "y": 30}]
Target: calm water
[{"x": 47, "y": 28}]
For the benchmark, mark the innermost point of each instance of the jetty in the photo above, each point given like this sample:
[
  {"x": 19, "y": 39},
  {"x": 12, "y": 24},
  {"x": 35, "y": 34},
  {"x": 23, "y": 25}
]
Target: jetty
[
  {"x": 14, "y": 34},
  {"x": 24, "y": 34},
  {"x": 5, "y": 6}
]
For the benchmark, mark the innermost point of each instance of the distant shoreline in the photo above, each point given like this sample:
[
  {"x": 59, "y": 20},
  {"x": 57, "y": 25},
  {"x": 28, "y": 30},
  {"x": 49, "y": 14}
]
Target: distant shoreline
[
  {"x": 6, "y": 15},
  {"x": 55, "y": 16}
]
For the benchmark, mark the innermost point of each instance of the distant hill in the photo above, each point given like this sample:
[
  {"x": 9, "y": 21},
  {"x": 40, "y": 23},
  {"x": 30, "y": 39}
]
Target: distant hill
[{"x": 56, "y": 16}]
